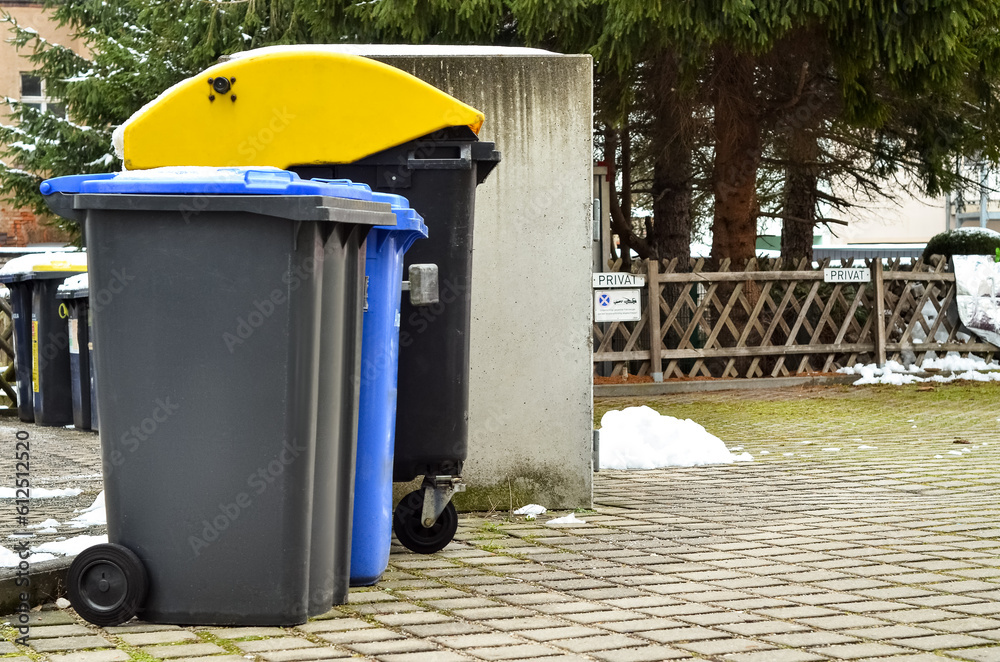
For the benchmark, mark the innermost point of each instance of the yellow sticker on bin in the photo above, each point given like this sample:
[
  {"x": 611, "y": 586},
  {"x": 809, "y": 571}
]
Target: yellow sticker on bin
[{"x": 285, "y": 109}]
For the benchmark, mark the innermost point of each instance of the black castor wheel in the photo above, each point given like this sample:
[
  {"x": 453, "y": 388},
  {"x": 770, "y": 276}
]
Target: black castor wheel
[
  {"x": 107, "y": 584},
  {"x": 413, "y": 535}
]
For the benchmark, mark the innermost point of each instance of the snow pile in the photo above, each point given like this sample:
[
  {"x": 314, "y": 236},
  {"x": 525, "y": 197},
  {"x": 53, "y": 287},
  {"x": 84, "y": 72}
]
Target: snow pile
[
  {"x": 570, "y": 519},
  {"x": 191, "y": 173},
  {"x": 75, "y": 284},
  {"x": 10, "y": 559},
  {"x": 40, "y": 493},
  {"x": 972, "y": 369},
  {"x": 95, "y": 515},
  {"x": 974, "y": 229},
  {"x": 640, "y": 438},
  {"x": 532, "y": 510},
  {"x": 69, "y": 547},
  {"x": 49, "y": 261}
]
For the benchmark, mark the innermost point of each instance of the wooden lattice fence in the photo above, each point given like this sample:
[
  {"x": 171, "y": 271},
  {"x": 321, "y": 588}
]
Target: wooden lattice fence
[
  {"x": 771, "y": 319},
  {"x": 8, "y": 394}
]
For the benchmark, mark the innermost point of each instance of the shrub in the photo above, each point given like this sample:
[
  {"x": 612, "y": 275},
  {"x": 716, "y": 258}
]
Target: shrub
[{"x": 963, "y": 241}]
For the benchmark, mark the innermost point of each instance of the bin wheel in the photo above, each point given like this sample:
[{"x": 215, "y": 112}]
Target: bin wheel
[
  {"x": 408, "y": 527},
  {"x": 107, "y": 584}
]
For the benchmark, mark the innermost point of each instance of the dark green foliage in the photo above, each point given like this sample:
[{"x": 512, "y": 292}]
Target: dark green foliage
[{"x": 971, "y": 241}]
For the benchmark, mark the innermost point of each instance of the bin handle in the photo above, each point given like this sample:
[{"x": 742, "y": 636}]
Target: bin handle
[{"x": 463, "y": 162}]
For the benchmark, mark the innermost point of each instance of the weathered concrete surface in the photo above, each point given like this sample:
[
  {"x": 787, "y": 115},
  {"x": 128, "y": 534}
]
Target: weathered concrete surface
[{"x": 530, "y": 385}]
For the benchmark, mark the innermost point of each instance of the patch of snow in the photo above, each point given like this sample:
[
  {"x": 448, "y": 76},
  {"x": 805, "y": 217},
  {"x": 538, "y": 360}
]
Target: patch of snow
[
  {"x": 864, "y": 447},
  {"x": 376, "y": 50},
  {"x": 832, "y": 450},
  {"x": 954, "y": 452},
  {"x": 973, "y": 229},
  {"x": 531, "y": 510},
  {"x": 47, "y": 524},
  {"x": 640, "y": 438},
  {"x": 94, "y": 515},
  {"x": 71, "y": 260},
  {"x": 10, "y": 559},
  {"x": 40, "y": 493},
  {"x": 70, "y": 546},
  {"x": 972, "y": 368},
  {"x": 568, "y": 519},
  {"x": 75, "y": 284},
  {"x": 938, "y": 457},
  {"x": 63, "y": 603}
]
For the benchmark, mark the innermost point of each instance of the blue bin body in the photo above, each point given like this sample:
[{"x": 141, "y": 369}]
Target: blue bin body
[{"x": 372, "y": 527}]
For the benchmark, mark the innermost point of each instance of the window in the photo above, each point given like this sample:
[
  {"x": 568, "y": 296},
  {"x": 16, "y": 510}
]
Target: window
[{"x": 33, "y": 95}]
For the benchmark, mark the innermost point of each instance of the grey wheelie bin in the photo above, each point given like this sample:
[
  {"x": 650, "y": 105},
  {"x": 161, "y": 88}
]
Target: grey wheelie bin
[
  {"x": 208, "y": 359},
  {"x": 41, "y": 336},
  {"x": 438, "y": 174}
]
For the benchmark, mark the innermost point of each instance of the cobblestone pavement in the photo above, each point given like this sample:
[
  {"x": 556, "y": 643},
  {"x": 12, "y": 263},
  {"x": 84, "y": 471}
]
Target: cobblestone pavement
[{"x": 886, "y": 553}]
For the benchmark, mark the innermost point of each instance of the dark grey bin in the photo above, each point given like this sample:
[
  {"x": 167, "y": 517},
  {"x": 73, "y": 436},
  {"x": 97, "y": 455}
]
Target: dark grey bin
[{"x": 208, "y": 360}]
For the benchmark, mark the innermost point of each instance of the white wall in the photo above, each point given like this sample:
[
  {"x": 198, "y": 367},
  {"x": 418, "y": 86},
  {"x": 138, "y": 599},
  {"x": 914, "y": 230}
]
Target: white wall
[{"x": 531, "y": 385}]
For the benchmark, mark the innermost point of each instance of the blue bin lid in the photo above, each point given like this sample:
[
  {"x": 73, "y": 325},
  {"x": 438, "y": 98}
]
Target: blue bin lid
[{"x": 205, "y": 181}]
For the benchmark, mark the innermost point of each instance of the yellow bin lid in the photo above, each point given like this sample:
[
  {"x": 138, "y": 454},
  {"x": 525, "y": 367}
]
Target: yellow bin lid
[{"x": 287, "y": 108}]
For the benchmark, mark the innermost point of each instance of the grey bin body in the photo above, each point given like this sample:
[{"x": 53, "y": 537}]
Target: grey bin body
[{"x": 221, "y": 472}]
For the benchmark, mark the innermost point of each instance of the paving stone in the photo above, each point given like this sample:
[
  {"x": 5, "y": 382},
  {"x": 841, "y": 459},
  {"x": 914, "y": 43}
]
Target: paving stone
[
  {"x": 858, "y": 651},
  {"x": 140, "y": 626},
  {"x": 643, "y": 624},
  {"x": 6, "y": 648},
  {"x": 808, "y": 639},
  {"x": 68, "y": 644},
  {"x": 529, "y": 623},
  {"x": 85, "y": 656},
  {"x": 214, "y": 658},
  {"x": 480, "y": 640},
  {"x": 646, "y": 654},
  {"x": 840, "y": 622},
  {"x": 978, "y": 654},
  {"x": 183, "y": 650},
  {"x": 886, "y": 632},
  {"x": 564, "y": 632},
  {"x": 724, "y": 646},
  {"x": 425, "y": 656},
  {"x": 334, "y": 625},
  {"x": 391, "y": 647},
  {"x": 359, "y": 636},
  {"x": 674, "y": 635},
  {"x": 779, "y": 655},
  {"x": 609, "y": 616},
  {"x": 412, "y": 618},
  {"x": 48, "y": 631},
  {"x": 940, "y": 641},
  {"x": 243, "y": 633},
  {"x": 153, "y": 638},
  {"x": 276, "y": 644},
  {"x": 956, "y": 625},
  {"x": 579, "y": 644},
  {"x": 756, "y": 628},
  {"x": 46, "y": 617},
  {"x": 513, "y": 652},
  {"x": 301, "y": 655},
  {"x": 443, "y": 629},
  {"x": 488, "y": 613},
  {"x": 916, "y": 615}
]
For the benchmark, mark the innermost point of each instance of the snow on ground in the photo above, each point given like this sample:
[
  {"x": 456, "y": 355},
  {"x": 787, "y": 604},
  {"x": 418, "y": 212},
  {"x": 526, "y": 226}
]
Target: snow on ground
[
  {"x": 40, "y": 493},
  {"x": 972, "y": 368},
  {"x": 10, "y": 559},
  {"x": 568, "y": 519},
  {"x": 640, "y": 438},
  {"x": 70, "y": 546},
  {"x": 532, "y": 510},
  {"x": 94, "y": 515}
]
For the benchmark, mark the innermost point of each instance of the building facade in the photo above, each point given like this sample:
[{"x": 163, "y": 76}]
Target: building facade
[{"x": 19, "y": 227}]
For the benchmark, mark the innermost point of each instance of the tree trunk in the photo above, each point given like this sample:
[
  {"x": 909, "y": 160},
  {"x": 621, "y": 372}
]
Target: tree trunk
[
  {"x": 737, "y": 158},
  {"x": 671, "y": 143},
  {"x": 801, "y": 178}
]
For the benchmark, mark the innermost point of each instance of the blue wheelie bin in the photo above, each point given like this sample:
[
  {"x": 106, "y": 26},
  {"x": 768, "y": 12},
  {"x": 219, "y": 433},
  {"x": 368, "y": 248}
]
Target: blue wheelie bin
[{"x": 372, "y": 527}]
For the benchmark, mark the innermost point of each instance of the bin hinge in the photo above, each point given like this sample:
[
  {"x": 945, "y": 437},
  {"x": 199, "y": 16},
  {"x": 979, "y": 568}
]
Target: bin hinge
[{"x": 438, "y": 491}]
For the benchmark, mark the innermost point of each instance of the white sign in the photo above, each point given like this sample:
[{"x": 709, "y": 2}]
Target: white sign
[
  {"x": 618, "y": 280},
  {"x": 847, "y": 275},
  {"x": 617, "y": 306}
]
